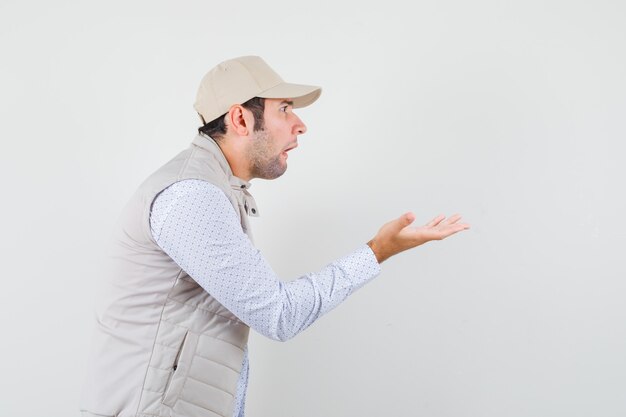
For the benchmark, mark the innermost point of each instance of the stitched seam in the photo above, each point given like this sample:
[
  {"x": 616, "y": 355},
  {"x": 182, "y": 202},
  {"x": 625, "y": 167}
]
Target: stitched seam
[
  {"x": 150, "y": 414},
  {"x": 199, "y": 406},
  {"x": 219, "y": 363},
  {"x": 202, "y": 334},
  {"x": 189, "y": 366},
  {"x": 210, "y": 385},
  {"x": 96, "y": 414},
  {"x": 201, "y": 357},
  {"x": 167, "y": 346},
  {"x": 145, "y": 377},
  {"x": 149, "y": 390}
]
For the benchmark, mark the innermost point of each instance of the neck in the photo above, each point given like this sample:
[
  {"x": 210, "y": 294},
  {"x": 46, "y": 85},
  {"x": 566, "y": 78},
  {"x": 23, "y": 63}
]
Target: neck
[{"x": 235, "y": 153}]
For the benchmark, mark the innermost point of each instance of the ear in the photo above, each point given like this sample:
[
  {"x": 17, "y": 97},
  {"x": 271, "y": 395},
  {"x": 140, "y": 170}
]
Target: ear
[{"x": 239, "y": 120}]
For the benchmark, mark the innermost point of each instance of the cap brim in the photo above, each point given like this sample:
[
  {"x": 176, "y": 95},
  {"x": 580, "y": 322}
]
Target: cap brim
[{"x": 302, "y": 95}]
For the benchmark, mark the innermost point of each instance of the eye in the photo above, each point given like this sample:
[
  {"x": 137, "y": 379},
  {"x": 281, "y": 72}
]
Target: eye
[{"x": 284, "y": 109}]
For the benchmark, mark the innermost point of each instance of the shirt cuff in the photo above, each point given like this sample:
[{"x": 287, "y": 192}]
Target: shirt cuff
[{"x": 360, "y": 266}]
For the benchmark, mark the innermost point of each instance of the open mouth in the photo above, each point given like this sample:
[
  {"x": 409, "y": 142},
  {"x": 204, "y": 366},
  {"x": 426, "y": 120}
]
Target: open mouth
[{"x": 284, "y": 153}]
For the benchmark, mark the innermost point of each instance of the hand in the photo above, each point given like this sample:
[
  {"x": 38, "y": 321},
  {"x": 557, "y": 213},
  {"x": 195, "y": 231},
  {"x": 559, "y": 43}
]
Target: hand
[{"x": 397, "y": 235}]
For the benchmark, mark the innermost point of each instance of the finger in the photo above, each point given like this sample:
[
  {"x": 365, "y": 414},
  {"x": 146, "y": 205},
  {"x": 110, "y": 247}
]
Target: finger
[
  {"x": 403, "y": 221},
  {"x": 453, "y": 219},
  {"x": 434, "y": 222},
  {"x": 455, "y": 228}
]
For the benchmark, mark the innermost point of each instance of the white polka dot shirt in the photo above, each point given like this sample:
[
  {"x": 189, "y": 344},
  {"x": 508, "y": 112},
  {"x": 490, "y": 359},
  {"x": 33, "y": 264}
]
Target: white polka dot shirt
[{"x": 196, "y": 225}]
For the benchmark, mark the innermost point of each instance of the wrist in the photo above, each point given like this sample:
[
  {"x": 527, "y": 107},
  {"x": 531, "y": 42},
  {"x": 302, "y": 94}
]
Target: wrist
[{"x": 378, "y": 253}]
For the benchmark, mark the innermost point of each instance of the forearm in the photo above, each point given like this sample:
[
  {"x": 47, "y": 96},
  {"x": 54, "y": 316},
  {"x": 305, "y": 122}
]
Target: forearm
[
  {"x": 279, "y": 310},
  {"x": 214, "y": 251},
  {"x": 327, "y": 288}
]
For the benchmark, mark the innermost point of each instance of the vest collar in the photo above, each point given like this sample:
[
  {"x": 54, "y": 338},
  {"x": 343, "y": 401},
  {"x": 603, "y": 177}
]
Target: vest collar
[{"x": 208, "y": 143}]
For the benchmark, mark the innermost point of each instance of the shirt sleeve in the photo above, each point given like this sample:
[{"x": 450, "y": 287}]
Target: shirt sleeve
[{"x": 196, "y": 225}]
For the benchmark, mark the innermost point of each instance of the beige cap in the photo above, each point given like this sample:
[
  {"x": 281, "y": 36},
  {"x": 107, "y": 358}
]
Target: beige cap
[{"x": 238, "y": 80}]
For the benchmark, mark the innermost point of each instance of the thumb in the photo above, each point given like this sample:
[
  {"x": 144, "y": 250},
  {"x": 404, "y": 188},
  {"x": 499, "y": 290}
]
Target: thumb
[{"x": 403, "y": 221}]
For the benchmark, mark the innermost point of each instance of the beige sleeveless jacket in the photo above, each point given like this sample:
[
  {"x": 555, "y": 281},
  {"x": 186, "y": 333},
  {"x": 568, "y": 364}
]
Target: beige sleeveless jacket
[{"x": 163, "y": 346}]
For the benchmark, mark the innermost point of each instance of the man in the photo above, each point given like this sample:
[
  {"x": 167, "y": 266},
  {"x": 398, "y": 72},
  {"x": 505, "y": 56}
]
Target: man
[{"x": 187, "y": 282}]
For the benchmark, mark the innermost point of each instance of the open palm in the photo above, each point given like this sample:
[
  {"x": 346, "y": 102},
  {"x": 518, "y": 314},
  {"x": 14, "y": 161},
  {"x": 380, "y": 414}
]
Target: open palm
[{"x": 399, "y": 235}]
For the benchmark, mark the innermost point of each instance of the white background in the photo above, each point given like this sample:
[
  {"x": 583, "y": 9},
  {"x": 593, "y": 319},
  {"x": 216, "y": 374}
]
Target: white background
[{"x": 511, "y": 113}]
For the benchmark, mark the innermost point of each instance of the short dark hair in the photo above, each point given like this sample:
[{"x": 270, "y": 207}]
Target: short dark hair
[{"x": 216, "y": 129}]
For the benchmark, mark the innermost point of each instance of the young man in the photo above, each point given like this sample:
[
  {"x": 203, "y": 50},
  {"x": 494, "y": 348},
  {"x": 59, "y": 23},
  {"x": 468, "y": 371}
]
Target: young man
[{"x": 186, "y": 282}]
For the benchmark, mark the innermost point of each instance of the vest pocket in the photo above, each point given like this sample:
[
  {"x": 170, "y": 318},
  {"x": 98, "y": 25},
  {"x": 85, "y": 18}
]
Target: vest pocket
[{"x": 180, "y": 369}]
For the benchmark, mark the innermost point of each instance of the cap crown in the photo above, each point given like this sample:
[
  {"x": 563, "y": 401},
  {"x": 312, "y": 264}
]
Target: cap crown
[
  {"x": 233, "y": 82},
  {"x": 238, "y": 80}
]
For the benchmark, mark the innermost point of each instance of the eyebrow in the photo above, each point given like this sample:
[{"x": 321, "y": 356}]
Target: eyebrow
[{"x": 289, "y": 102}]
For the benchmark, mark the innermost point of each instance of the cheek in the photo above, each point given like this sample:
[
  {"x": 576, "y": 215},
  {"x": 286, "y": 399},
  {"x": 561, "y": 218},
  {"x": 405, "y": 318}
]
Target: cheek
[
  {"x": 280, "y": 123},
  {"x": 280, "y": 133}
]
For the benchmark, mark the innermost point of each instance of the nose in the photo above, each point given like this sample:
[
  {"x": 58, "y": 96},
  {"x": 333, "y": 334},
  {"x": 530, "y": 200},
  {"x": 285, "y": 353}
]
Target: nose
[{"x": 299, "y": 127}]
